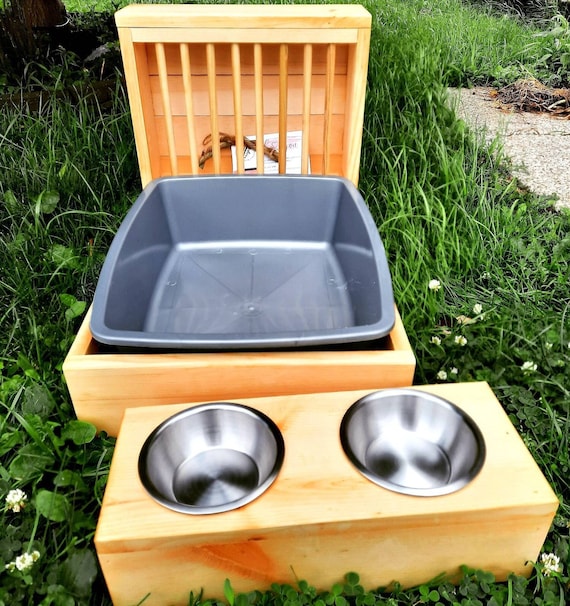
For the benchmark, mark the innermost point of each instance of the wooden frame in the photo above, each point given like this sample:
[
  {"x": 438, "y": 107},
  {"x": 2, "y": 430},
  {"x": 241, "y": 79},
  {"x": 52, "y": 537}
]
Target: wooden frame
[
  {"x": 321, "y": 518},
  {"x": 195, "y": 70},
  {"x": 102, "y": 385}
]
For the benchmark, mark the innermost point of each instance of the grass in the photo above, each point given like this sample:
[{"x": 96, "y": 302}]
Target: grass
[{"x": 446, "y": 209}]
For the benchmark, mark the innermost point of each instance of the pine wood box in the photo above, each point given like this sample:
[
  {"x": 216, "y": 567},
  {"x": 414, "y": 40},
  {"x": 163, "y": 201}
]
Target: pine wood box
[
  {"x": 245, "y": 70},
  {"x": 321, "y": 518},
  {"x": 103, "y": 385}
]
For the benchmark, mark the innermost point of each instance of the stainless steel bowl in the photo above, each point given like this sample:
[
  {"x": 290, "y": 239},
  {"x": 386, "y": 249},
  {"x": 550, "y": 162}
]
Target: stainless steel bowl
[
  {"x": 211, "y": 458},
  {"x": 412, "y": 442}
]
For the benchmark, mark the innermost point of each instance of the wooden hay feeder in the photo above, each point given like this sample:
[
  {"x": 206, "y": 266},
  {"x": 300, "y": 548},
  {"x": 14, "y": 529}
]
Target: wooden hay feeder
[{"x": 194, "y": 72}]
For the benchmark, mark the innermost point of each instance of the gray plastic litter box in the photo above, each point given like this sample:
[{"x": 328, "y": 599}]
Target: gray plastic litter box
[{"x": 244, "y": 262}]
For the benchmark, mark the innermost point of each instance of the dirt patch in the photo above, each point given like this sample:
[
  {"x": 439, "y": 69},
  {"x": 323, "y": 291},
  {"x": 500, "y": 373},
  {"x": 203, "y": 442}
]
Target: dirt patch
[{"x": 530, "y": 95}]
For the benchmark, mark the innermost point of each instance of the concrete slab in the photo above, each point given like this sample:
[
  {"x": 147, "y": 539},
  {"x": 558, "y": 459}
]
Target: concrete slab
[{"x": 537, "y": 144}]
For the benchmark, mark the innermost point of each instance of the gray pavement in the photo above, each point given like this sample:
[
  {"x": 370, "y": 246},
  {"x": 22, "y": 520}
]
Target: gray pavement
[{"x": 537, "y": 144}]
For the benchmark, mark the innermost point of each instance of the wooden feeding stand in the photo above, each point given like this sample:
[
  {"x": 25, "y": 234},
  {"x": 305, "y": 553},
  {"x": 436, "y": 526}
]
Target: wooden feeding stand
[
  {"x": 194, "y": 70},
  {"x": 321, "y": 518}
]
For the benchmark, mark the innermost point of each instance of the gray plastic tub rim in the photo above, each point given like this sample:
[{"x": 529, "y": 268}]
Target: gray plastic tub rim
[{"x": 114, "y": 323}]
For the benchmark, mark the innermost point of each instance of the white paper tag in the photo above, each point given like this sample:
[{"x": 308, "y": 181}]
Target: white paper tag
[{"x": 293, "y": 161}]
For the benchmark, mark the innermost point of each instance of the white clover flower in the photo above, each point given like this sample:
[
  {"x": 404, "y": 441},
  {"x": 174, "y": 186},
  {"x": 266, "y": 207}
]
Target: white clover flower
[
  {"x": 477, "y": 308},
  {"x": 442, "y": 375},
  {"x": 434, "y": 285},
  {"x": 16, "y": 500},
  {"x": 551, "y": 564},
  {"x": 548, "y": 346},
  {"x": 435, "y": 340},
  {"x": 460, "y": 340},
  {"x": 23, "y": 562},
  {"x": 486, "y": 275},
  {"x": 529, "y": 366},
  {"x": 454, "y": 371}
]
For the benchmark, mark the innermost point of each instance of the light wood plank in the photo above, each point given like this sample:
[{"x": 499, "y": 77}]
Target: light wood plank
[
  {"x": 259, "y": 102},
  {"x": 356, "y": 95},
  {"x": 213, "y": 98},
  {"x": 189, "y": 105},
  {"x": 136, "y": 78},
  {"x": 230, "y": 17},
  {"x": 331, "y": 62},
  {"x": 165, "y": 96},
  {"x": 307, "y": 87},
  {"x": 224, "y": 35},
  {"x": 238, "y": 112},
  {"x": 283, "y": 76}
]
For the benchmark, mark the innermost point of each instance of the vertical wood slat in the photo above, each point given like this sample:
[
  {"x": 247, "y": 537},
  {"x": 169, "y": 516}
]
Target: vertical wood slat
[
  {"x": 189, "y": 106},
  {"x": 258, "y": 83},
  {"x": 238, "y": 114},
  {"x": 136, "y": 78},
  {"x": 357, "y": 69},
  {"x": 212, "y": 93},
  {"x": 283, "y": 73},
  {"x": 307, "y": 77},
  {"x": 331, "y": 63},
  {"x": 165, "y": 94}
]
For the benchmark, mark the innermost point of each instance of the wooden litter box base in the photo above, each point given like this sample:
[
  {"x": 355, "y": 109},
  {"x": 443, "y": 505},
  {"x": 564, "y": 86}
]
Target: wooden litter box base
[{"x": 103, "y": 385}]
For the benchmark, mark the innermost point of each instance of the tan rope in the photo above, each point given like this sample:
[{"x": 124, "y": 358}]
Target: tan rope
[{"x": 229, "y": 140}]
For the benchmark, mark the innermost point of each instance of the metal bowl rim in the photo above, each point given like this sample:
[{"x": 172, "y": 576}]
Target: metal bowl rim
[
  {"x": 419, "y": 492},
  {"x": 188, "y": 412}
]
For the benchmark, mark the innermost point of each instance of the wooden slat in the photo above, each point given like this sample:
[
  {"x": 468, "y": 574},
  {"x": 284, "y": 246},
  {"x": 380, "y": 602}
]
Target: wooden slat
[
  {"x": 165, "y": 95},
  {"x": 223, "y": 35},
  {"x": 331, "y": 61},
  {"x": 213, "y": 96},
  {"x": 307, "y": 85},
  {"x": 238, "y": 114},
  {"x": 230, "y": 17},
  {"x": 259, "y": 107},
  {"x": 189, "y": 106},
  {"x": 136, "y": 78},
  {"x": 283, "y": 74},
  {"x": 356, "y": 95}
]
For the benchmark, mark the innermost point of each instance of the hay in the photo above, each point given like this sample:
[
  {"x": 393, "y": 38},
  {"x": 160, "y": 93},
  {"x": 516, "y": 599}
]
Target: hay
[{"x": 533, "y": 96}]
